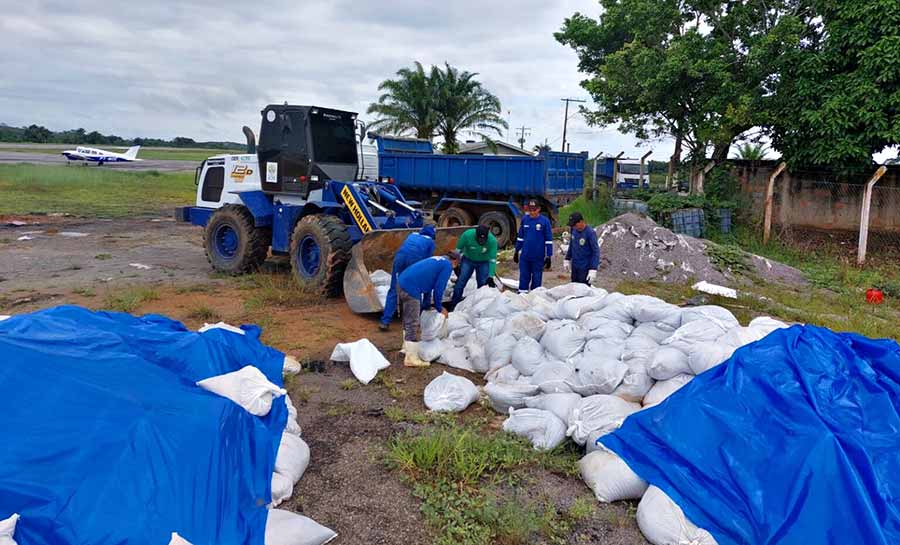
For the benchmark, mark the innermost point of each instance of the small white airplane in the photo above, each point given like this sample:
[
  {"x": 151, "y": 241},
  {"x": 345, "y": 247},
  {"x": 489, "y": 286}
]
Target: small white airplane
[{"x": 100, "y": 156}]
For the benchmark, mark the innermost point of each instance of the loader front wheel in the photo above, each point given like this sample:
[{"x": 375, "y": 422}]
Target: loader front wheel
[
  {"x": 234, "y": 245},
  {"x": 320, "y": 251},
  {"x": 455, "y": 217}
]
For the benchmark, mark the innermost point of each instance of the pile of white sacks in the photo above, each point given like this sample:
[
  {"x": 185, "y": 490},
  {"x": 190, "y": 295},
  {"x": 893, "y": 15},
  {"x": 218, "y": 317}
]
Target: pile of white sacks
[{"x": 575, "y": 361}]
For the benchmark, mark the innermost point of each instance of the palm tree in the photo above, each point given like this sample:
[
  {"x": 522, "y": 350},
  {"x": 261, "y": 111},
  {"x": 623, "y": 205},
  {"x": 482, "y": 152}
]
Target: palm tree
[
  {"x": 462, "y": 103},
  {"x": 751, "y": 152},
  {"x": 541, "y": 148},
  {"x": 407, "y": 104}
]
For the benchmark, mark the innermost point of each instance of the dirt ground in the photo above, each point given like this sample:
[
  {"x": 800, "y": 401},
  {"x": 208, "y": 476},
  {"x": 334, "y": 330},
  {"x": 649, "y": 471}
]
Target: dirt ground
[{"x": 347, "y": 486}]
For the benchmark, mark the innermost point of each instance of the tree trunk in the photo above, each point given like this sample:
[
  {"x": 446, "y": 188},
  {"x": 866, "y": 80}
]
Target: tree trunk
[
  {"x": 673, "y": 162},
  {"x": 720, "y": 153}
]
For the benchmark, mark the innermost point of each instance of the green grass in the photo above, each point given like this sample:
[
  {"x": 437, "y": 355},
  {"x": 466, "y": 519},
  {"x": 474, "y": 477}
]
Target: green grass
[
  {"x": 172, "y": 154},
  {"x": 275, "y": 289},
  {"x": 458, "y": 472},
  {"x": 594, "y": 213},
  {"x": 130, "y": 299},
  {"x": 204, "y": 313},
  {"x": 91, "y": 192}
]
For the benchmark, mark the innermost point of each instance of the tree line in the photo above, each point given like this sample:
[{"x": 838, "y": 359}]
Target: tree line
[{"x": 42, "y": 135}]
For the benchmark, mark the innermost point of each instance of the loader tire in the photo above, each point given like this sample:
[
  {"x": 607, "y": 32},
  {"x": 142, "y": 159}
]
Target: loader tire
[
  {"x": 455, "y": 217},
  {"x": 233, "y": 243},
  {"x": 320, "y": 251},
  {"x": 500, "y": 224}
]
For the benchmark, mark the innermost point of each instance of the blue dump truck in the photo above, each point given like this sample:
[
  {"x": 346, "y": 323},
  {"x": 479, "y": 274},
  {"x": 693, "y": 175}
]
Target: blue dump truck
[{"x": 490, "y": 190}]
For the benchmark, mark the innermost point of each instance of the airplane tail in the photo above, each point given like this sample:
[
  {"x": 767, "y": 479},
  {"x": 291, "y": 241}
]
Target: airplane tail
[{"x": 131, "y": 153}]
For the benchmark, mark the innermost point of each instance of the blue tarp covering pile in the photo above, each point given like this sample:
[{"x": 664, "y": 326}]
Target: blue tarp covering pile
[
  {"x": 795, "y": 440},
  {"x": 107, "y": 439}
]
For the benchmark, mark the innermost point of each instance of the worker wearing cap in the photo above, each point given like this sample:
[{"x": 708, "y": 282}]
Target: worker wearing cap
[
  {"x": 425, "y": 280},
  {"x": 415, "y": 248},
  {"x": 583, "y": 255},
  {"x": 478, "y": 247},
  {"x": 534, "y": 247}
]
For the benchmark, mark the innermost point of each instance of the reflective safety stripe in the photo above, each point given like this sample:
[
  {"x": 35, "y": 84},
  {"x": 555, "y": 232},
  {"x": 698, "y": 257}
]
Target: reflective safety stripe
[
  {"x": 549, "y": 242},
  {"x": 520, "y": 239}
]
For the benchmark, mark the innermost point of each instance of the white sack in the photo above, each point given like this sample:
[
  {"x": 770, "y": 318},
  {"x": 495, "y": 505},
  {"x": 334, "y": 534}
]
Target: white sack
[
  {"x": 598, "y": 412},
  {"x": 457, "y": 320},
  {"x": 610, "y": 477},
  {"x": 292, "y": 458},
  {"x": 248, "y": 387},
  {"x": 174, "y": 540},
  {"x": 472, "y": 300},
  {"x": 645, "y": 308},
  {"x": 8, "y": 529},
  {"x": 499, "y": 349},
  {"x": 450, "y": 393},
  {"x": 609, "y": 330},
  {"x": 527, "y": 356},
  {"x": 658, "y": 331},
  {"x": 711, "y": 312},
  {"x": 365, "y": 359},
  {"x": 487, "y": 328},
  {"x": 543, "y": 308},
  {"x": 559, "y": 404},
  {"x": 503, "y": 396},
  {"x": 380, "y": 278},
  {"x": 544, "y": 429},
  {"x": 432, "y": 350},
  {"x": 591, "y": 444},
  {"x": 766, "y": 324},
  {"x": 554, "y": 377},
  {"x": 667, "y": 363},
  {"x": 635, "y": 384},
  {"x": 282, "y": 489},
  {"x": 525, "y": 324},
  {"x": 572, "y": 308},
  {"x": 663, "y": 523},
  {"x": 704, "y": 356},
  {"x": 287, "y": 528},
  {"x": 696, "y": 331},
  {"x": 221, "y": 325},
  {"x": 476, "y": 352},
  {"x": 456, "y": 357},
  {"x": 290, "y": 366},
  {"x": 618, "y": 310},
  {"x": 664, "y": 388},
  {"x": 291, "y": 426},
  {"x": 571, "y": 289},
  {"x": 5, "y": 317},
  {"x": 459, "y": 337},
  {"x": 432, "y": 325},
  {"x": 563, "y": 339},
  {"x": 597, "y": 374},
  {"x": 507, "y": 374},
  {"x": 603, "y": 348}
]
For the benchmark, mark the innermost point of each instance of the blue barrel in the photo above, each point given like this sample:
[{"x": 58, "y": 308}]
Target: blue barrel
[
  {"x": 623, "y": 206},
  {"x": 689, "y": 221},
  {"x": 724, "y": 219}
]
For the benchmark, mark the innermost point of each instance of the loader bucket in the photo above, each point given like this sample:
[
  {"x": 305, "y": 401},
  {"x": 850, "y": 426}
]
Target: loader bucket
[{"x": 376, "y": 251}]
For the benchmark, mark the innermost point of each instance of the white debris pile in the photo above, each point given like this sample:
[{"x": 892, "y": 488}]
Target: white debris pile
[{"x": 576, "y": 361}]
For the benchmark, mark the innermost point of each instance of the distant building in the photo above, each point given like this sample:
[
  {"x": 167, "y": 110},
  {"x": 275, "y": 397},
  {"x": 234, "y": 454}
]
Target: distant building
[{"x": 483, "y": 148}]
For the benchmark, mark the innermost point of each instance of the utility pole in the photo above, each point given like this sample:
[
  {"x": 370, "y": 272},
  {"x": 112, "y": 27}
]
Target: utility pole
[
  {"x": 566, "y": 119},
  {"x": 523, "y": 132}
]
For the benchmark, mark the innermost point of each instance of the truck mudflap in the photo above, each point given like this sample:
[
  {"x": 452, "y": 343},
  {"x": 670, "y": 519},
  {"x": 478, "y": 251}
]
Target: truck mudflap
[{"x": 375, "y": 251}]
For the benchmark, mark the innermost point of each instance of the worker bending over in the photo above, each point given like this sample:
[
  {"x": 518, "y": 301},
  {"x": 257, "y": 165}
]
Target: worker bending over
[
  {"x": 478, "y": 247},
  {"x": 535, "y": 244},
  {"x": 583, "y": 256},
  {"x": 415, "y": 248},
  {"x": 425, "y": 280}
]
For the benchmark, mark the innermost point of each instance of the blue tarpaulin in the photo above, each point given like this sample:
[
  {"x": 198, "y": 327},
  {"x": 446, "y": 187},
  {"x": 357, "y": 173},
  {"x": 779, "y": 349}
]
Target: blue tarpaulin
[
  {"x": 793, "y": 441},
  {"x": 106, "y": 439}
]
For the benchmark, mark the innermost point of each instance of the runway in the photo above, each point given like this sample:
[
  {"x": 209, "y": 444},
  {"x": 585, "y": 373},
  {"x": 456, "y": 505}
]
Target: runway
[{"x": 162, "y": 165}]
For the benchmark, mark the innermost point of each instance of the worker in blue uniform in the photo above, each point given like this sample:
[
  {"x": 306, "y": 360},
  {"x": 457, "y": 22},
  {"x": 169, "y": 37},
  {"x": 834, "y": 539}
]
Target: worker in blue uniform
[
  {"x": 415, "y": 248},
  {"x": 534, "y": 247},
  {"x": 425, "y": 280},
  {"x": 583, "y": 255}
]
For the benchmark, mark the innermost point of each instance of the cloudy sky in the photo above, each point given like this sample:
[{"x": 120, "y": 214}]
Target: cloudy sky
[{"x": 204, "y": 68}]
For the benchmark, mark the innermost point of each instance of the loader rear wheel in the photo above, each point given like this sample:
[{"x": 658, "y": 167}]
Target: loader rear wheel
[
  {"x": 320, "y": 251},
  {"x": 234, "y": 245},
  {"x": 500, "y": 225},
  {"x": 455, "y": 217}
]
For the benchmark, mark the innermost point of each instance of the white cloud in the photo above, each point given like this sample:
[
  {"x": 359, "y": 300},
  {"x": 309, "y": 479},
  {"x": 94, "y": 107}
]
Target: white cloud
[{"x": 205, "y": 68}]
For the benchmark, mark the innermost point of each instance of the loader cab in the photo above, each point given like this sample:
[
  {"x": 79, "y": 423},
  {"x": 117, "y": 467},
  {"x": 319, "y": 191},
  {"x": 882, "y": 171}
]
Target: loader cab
[{"x": 302, "y": 147}]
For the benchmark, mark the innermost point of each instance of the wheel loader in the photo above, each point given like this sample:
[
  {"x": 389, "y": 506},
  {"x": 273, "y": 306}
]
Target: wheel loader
[{"x": 297, "y": 193}]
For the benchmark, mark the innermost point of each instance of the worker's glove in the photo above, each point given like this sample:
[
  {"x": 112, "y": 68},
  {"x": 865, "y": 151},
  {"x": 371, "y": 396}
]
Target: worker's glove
[
  {"x": 516, "y": 257},
  {"x": 592, "y": 274},
  {"x": 547, "y": 263},
  {"x": 567, "y": 265},
  {"x": 490, "y": 282}
]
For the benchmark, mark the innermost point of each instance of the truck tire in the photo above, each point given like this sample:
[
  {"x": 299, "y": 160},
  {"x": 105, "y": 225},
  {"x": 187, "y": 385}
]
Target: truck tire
[
  {"x": 500, "y": 224},
  {"x": 320, "y": 251},
  {"x": 455, "y": 217},
  {"x": 234, "y": 245}
]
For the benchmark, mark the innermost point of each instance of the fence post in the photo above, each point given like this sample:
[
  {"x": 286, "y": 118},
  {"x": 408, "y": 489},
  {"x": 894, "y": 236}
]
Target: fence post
[
  {"x": 702, "y": 176},
  {"x": 864, "y": 215},
  {"x": 641, "y": 172},
  {"x": 770, "y": 198},
  {"x": 615, "y": 173},
  {"x": 594, "y": 180}
]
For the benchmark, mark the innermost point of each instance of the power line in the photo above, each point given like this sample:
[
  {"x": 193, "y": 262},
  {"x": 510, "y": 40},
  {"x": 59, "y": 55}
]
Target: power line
[
  {"x": 523, "y": 132},
  {"x": 566, "y": 118}
]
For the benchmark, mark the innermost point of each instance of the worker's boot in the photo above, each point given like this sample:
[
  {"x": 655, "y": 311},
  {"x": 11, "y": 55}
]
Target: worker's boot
[{"x": 411, "y": 358}]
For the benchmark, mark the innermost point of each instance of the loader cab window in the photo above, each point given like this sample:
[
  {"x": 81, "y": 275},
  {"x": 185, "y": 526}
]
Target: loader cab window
[
  {"x": 213, "y": 183},
  {"x": 334, "y": 138}
]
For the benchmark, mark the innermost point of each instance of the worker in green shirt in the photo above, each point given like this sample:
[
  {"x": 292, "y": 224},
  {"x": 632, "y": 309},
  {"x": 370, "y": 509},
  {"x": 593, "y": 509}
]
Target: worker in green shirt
[{"x": 478, "y": 247}]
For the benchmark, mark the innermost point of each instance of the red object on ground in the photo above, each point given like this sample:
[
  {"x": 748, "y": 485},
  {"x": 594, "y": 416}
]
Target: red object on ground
[{"x": 874, "y": 296}]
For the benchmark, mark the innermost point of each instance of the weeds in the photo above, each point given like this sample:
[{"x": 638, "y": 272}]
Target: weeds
[
  {"x": 103, "y": 257},
  {"x": 390, "y": 385},
  {"x": 195, "y": 288},
  {"x": 349, "y": 384},
  {"x": 728, "y": 258},
  {"x": 84, "y": 292},
  {"x": 273, "y": 289},
  {"x": 204, "y": 313},
  {"x": 129, "y": 300}
]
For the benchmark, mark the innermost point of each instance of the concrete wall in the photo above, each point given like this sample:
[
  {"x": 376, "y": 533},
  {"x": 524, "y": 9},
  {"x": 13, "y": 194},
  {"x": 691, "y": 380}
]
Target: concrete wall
[{"x": 819, "y": 199}]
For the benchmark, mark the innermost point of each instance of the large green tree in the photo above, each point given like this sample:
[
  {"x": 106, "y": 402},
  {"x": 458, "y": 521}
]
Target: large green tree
[
  {"x": 837, "y": 98},
  {"x": 442, "y": 101}
]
